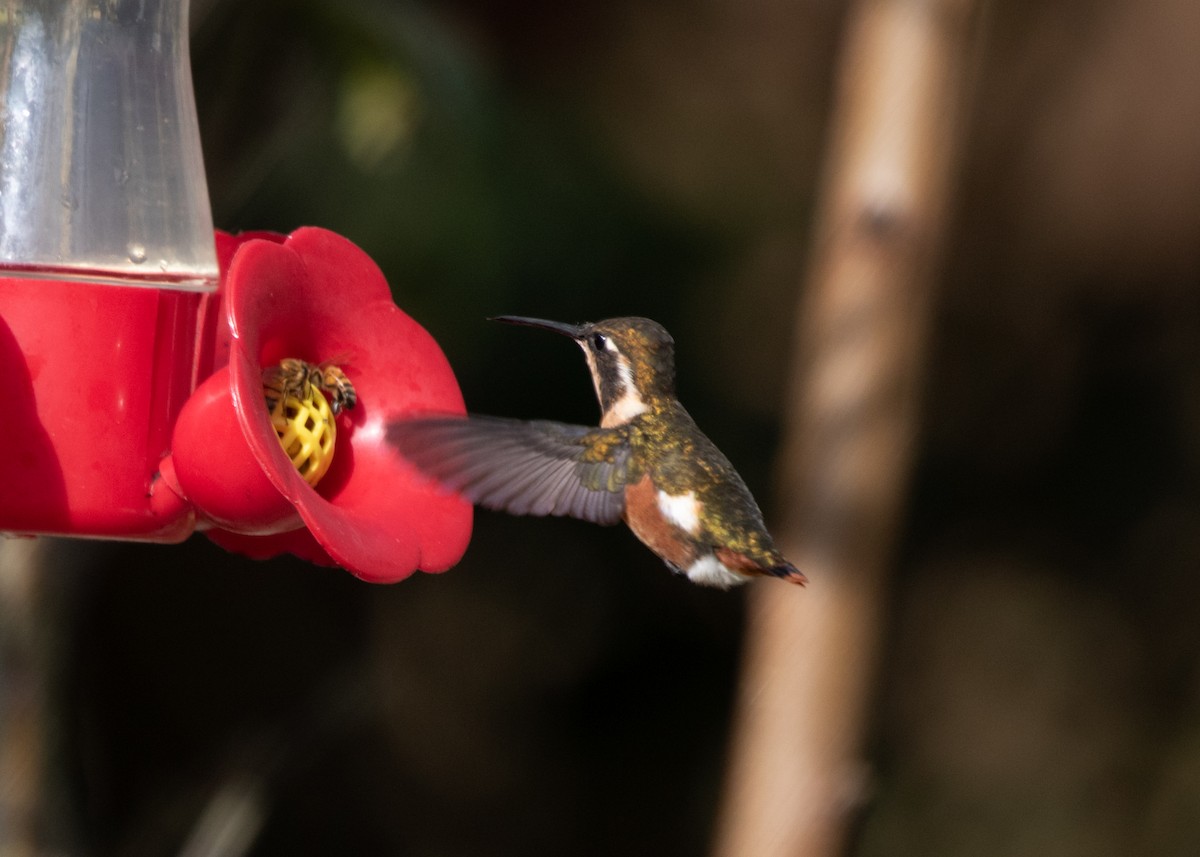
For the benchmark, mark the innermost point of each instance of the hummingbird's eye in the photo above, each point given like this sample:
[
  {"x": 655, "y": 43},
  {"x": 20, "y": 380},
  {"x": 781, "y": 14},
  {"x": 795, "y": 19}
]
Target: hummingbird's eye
[{"x": 599, "y": 341}]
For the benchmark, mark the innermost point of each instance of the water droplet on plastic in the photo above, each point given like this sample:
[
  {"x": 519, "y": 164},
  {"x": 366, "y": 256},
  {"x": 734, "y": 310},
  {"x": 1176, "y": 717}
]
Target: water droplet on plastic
[{"x": 137, "y": 253}]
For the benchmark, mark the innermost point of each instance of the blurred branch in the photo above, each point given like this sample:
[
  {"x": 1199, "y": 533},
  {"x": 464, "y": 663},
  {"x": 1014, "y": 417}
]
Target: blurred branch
[
  {"x": 796, "y": 772},
  {"x": 33, "y": 814}
]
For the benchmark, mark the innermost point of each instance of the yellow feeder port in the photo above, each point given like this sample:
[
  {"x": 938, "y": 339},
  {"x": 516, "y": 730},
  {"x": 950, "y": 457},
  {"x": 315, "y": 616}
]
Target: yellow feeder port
[{"x": 306, "y": 428}]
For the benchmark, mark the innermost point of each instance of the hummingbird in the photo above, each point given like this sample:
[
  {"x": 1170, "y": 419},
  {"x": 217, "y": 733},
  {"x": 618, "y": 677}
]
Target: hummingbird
[{"x": 647, "y": 463}]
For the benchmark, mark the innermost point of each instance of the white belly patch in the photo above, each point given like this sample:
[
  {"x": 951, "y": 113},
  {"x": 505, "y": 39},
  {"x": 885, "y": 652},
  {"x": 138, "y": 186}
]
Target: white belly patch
[
  {"x": 682, "y": 510},
  {"x": 710, "y": 571}
]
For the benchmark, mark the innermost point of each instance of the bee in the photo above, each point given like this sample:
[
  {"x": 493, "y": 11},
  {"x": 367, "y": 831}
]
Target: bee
[
  {"x": 338, "y": 386},
  {"x": 293, "y": 377}
]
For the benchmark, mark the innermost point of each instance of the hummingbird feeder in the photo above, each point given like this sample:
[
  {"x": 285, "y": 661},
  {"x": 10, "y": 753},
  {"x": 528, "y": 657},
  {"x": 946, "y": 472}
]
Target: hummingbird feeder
[{"x": 134, "y": 344}]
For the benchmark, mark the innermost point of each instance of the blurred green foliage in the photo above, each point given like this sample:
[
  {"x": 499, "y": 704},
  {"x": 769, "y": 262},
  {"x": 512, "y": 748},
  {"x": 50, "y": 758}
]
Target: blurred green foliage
[{"x": 376, "y": 120}]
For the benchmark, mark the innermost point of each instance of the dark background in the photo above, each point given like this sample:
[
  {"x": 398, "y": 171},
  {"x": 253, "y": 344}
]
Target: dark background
[{"x": 558, "y": 692}]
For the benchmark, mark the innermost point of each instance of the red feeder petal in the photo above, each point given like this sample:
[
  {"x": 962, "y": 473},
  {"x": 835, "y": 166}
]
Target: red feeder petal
[{"x": 318, "y": 297}]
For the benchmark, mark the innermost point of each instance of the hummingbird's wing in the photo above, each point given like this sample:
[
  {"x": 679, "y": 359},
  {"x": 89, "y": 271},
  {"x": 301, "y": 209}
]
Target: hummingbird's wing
[{"x": 522, "y": 467}]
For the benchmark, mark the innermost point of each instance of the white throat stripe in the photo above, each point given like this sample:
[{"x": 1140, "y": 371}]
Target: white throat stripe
[{"x": 628, "y": 404}]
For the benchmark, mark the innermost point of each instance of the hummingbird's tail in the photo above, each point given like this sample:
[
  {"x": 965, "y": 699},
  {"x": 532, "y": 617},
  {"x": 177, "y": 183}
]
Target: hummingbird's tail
[{"x": 787, "y": 571}]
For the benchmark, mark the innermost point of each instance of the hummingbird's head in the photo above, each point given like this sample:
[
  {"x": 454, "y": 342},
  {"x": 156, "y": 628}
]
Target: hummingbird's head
[{"x": 632, "y": 361}]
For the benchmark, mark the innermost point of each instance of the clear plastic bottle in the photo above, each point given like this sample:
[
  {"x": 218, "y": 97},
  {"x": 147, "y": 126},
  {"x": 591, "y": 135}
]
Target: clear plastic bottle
[{"x": 101, "y": 174}]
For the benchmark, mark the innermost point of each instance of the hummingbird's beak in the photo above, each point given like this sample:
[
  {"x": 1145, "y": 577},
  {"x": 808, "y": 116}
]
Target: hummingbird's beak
[{"x": 575, "y": 331}]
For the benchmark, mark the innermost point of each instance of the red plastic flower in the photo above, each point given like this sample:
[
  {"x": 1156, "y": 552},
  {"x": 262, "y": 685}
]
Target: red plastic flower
[{"x": 316, "y": 296}]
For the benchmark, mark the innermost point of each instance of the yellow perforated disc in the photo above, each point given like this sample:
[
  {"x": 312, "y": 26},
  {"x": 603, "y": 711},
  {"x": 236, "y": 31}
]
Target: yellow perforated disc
[{"x": 307, "y": 431}]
